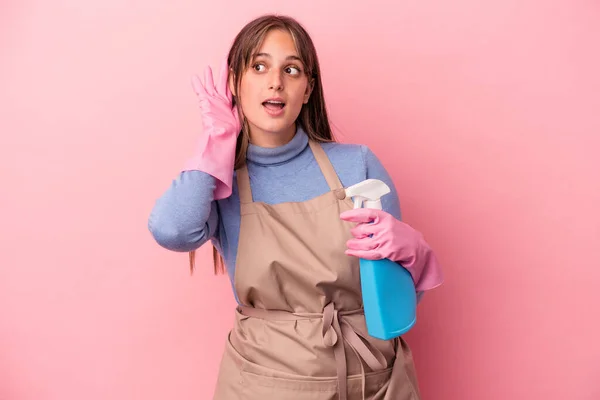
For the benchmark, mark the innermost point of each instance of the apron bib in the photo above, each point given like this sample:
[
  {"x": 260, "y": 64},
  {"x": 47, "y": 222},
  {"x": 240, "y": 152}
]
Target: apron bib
[{"x": 300, "y": 330}]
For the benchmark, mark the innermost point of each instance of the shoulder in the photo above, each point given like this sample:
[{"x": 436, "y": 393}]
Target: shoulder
[
  {"x": 356, "y": 156},
  {"x": 348, "y": 161},
  {"x": 337, "y": 148},
  {"x": 353, "y": 153}
]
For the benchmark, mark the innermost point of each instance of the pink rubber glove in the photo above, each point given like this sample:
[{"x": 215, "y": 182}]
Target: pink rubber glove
[
  {"x": 395, "y": 240},
  {"x": 215, "y": 151}
]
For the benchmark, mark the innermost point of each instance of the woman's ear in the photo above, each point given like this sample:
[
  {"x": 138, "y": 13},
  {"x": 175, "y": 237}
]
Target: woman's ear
[{"x": 309, "y": 89}]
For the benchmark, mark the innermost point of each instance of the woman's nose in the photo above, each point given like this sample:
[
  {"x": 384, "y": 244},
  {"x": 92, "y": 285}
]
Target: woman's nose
[{"x": 275, "y": 81}]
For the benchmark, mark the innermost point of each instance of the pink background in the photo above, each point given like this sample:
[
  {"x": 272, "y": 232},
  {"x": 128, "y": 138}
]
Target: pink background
[{"x": 486, "y": 113}]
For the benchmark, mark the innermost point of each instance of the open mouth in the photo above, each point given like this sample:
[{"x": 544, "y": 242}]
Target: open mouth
[{"x": 273, "y": 105}]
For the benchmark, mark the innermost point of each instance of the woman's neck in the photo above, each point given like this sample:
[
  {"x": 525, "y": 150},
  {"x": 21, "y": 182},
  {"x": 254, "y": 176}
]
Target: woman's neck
[
  {"x": 280, "y": 154},
  {"x": 261, "y": 138}
]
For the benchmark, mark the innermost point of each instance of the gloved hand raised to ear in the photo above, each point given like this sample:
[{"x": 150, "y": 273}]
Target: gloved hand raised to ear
[
  {"x": 215, "y": 150},
  {"x": 388, "y": 237}
]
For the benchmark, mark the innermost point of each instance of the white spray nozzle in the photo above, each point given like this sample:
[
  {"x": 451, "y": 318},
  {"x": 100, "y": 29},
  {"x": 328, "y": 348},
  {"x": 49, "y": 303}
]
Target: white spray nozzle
[{"x": 368, "y": 193}]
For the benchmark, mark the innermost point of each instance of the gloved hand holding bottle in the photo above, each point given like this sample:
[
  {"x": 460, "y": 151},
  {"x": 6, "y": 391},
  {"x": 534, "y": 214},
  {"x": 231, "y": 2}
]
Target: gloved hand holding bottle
[
  {"x": 379, "y": 235},
  {"x": 215, "y": 150}
]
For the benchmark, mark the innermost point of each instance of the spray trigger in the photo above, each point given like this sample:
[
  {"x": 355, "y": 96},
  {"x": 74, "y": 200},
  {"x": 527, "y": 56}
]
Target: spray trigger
[{"x": 368, "y": 193}]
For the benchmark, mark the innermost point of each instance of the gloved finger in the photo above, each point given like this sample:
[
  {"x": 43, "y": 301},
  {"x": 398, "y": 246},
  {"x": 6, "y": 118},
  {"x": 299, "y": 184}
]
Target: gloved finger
[
  {"x": 366, "y": 254},
  {"x": 367, "y": 243},
  {"x": 209, "y": 85},
  {"x": 359, "y": 215},
  {"x": 236, "y": 114},
  {"x": 364, "y": 230},
  {"x": 197, "y": 85},
  {"x": 222, "y": 87},
  {"x": 361, "y": 231},
  {"x": 228, "y": 94}
]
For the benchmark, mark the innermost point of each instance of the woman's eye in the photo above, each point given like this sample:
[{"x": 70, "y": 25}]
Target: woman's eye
[
  {"x": 259, "y": 67},
  {"x": 292, "y": 70}
]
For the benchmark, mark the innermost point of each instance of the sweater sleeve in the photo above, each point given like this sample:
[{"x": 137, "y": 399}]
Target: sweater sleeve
[
  {"x": 390, "y": 202},
  {"x": 185, "y": 216}
]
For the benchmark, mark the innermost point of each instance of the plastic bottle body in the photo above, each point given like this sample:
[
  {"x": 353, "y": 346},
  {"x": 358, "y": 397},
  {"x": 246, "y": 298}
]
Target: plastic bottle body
[{"x": 389, "y": 298}]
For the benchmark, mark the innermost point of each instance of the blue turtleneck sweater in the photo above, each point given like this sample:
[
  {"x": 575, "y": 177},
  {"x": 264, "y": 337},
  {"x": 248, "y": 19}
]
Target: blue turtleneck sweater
[{"x": 186, "y": 216}]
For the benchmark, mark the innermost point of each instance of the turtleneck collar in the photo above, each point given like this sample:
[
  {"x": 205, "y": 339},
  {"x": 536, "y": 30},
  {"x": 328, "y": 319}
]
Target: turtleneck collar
[{"x": 281, "y": 154}]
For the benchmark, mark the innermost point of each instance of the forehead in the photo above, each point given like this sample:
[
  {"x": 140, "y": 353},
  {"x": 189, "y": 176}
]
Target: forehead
[{"x": 278, "y": 43}]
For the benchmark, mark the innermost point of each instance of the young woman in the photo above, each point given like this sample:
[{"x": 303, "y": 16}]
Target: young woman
[{"x": 265, "y": 186}]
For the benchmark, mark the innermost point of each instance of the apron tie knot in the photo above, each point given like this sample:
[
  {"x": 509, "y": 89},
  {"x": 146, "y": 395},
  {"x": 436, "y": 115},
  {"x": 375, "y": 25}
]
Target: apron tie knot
[
  {"x": 336, "y": 331},
  {"x": 330, "y": 318}
]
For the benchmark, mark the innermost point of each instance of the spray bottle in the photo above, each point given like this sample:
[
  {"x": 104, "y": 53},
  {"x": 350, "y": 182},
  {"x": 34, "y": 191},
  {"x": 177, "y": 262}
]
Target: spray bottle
[{"x": 388, "y": 290}]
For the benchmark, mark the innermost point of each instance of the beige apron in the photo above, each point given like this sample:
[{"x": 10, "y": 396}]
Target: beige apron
[{"x": 301, "y": 332}]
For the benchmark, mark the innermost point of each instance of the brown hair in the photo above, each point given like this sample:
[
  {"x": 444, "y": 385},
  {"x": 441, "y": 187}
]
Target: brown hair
[{"x": 313, "y": 115}]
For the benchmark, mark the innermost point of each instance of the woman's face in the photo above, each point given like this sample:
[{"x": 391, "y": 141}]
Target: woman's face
[{"x": 273, "y": 90}]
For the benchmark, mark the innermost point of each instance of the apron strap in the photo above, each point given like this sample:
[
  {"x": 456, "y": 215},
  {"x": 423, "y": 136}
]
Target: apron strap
[
  {"x": 325, "y": 164},
  {"x": 243, "y": 181}
]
